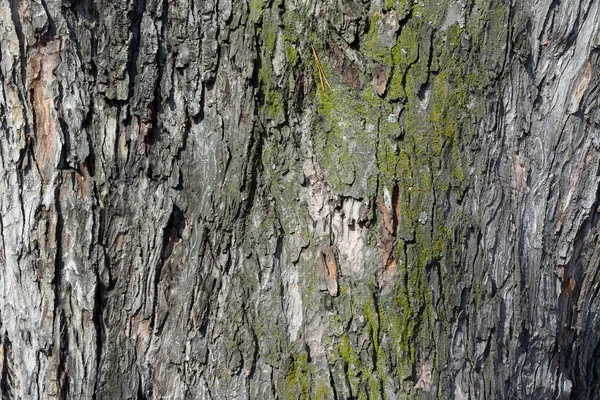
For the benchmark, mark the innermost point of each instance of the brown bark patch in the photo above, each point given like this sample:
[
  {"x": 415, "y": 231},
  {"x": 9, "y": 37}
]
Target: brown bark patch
[
  {"x": 343, "y": 67},
  {"x": 387, "y": 237},
  {"x": 327, "y": 270},
  {"x": 583, "y": 83},
  {"x": 381, "y": 75},
  {"x": 47, "y": 143},
  {"x": 569, "y": 287}
]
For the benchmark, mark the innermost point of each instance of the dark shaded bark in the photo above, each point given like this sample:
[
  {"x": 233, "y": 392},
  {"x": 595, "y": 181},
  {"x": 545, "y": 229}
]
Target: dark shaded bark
[{"x": 288, "y": 199}]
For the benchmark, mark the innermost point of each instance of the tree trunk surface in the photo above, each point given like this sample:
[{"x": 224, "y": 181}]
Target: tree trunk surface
[{"x": 336, "y": 199}]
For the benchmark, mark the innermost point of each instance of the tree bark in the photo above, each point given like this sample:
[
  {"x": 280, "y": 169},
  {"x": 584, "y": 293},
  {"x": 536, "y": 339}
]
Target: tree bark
[{"x": 299, "y": 199}]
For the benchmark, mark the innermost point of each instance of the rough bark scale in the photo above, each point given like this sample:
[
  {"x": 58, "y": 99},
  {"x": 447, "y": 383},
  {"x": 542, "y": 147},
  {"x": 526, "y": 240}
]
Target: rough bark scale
[{"x": 313, "y": 199}]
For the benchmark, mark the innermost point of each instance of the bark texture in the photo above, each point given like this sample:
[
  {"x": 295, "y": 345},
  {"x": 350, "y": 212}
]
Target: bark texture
[{"x": 299, "y": 199}]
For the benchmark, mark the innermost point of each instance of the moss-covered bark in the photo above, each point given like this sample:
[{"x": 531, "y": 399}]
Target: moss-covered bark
[{"x": 299, "y": 199}]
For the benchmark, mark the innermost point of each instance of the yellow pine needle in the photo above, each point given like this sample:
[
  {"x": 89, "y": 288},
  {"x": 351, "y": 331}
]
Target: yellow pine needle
[
  {"x": 322, "y": 76},
  {"x": 318, "y": 68}
]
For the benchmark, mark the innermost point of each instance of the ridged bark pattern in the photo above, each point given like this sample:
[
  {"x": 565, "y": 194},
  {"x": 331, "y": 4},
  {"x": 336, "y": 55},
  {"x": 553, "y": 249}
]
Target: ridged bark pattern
[{"x": 299, "y": 199}]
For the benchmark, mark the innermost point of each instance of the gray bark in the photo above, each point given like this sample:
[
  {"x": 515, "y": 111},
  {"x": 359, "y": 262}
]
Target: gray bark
[{"x": 299, "y": 199}]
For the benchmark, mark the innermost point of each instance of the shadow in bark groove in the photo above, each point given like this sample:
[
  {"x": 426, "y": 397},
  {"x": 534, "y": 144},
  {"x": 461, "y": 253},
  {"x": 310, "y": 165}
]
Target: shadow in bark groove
[{"x": 6, "y": 375}]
